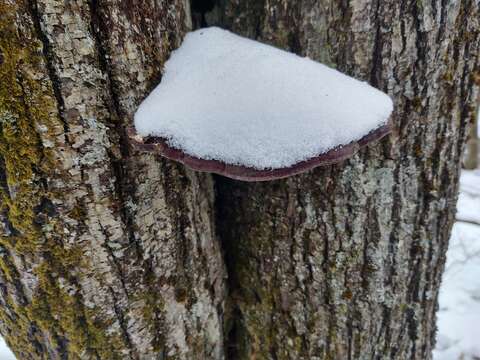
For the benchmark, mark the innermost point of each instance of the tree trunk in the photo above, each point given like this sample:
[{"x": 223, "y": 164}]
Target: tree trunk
[{"x": 108, "y": 253}]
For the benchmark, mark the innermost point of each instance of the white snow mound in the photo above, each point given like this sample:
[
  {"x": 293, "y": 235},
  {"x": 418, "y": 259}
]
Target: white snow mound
[{"x": 228, "y": 98}]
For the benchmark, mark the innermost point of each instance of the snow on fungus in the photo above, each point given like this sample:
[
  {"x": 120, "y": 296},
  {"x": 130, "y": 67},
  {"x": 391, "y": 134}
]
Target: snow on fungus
[{"x": 249, "y": 111}]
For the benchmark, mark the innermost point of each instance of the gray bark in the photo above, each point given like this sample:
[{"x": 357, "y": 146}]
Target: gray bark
[{"x": 109, "y": 253}]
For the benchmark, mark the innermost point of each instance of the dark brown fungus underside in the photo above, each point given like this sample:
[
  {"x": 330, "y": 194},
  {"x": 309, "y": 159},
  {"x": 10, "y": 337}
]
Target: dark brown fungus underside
[{"x": 159, "y": 145}]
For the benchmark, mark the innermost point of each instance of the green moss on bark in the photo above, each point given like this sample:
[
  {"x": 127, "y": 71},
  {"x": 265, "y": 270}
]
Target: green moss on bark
[{"x": 28, "y": 107}]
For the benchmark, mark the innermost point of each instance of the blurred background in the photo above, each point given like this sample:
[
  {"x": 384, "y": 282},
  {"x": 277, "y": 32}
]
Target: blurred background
[{"x": 458, "y": 336}]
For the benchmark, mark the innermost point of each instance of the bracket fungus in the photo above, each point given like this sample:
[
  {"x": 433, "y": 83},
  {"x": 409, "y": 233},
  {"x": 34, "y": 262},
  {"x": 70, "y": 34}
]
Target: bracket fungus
[{"x": 252, "y": 112}]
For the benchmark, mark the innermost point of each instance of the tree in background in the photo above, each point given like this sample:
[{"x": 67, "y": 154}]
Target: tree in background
[
  {"x": 473, "y": 151},
  {"x": 109, "y": 253}
]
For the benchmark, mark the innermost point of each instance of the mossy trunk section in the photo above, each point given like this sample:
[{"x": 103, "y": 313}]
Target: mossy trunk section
[{"x": 108, "y": 253}]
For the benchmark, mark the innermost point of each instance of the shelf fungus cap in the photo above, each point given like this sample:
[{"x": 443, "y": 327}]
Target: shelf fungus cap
[{"x": 252, "y": 112}]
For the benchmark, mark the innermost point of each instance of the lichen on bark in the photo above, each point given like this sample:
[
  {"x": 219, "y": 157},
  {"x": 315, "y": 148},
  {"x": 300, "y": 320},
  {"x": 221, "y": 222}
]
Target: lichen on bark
[
  {"x": 80, "y": 258},
  {"x": 322, "y": 263},
  {"x": 29, "y": 122}
]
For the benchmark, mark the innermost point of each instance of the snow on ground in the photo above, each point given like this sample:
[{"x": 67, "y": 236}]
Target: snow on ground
[
  {"x": 469, "y": 198},
  {"x": 458, "y": 336},
  {"x": 232, "y": 99},
  {"x": 5, "y": 353}
]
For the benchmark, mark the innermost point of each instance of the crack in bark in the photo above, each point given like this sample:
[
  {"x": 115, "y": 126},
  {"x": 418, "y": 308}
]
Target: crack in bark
[
  {"x": 49, "y": 62},
  {"x": 377, "y": 48}
]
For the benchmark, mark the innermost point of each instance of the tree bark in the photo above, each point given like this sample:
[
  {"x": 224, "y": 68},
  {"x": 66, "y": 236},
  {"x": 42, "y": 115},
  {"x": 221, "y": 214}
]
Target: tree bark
[{"x": 109, "y": 253}]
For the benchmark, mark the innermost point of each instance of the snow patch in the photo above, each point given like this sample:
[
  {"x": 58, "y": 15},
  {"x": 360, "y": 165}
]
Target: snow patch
[
  {"x": 468, "y": 207},
  {"x": 224, "y": 97},
  {"x": 459, "y": 298},
  {"x": 5, "y": 352}
]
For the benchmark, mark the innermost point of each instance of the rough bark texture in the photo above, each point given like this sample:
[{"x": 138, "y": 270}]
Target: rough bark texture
[
  {"x": 345, "y": 262},
  {"x": 108, "y": 253}
]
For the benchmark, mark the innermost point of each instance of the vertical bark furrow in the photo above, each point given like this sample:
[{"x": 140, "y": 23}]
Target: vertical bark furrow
[
  {"x": 47, "y": 54},
  {"x": 189, "y": 257}
]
